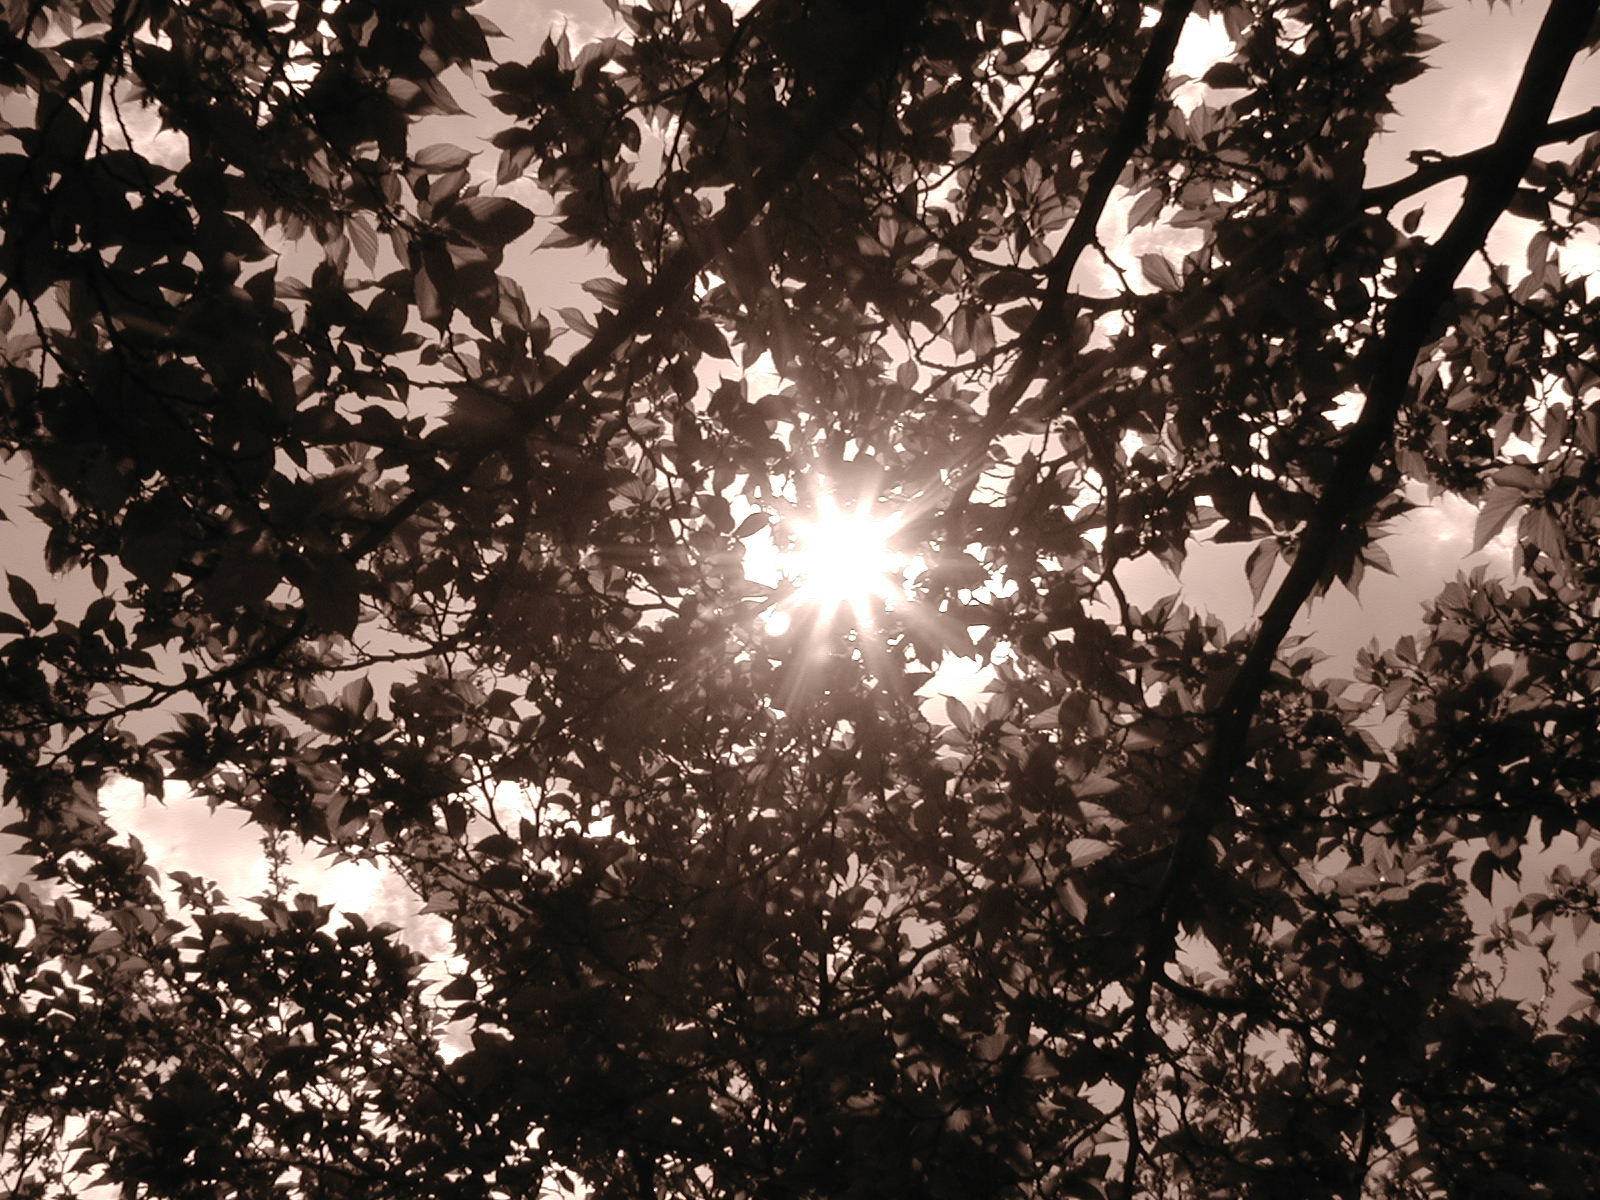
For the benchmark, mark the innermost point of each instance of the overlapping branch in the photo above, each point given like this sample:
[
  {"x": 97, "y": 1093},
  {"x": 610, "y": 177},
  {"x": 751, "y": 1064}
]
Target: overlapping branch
[
  {"x": 1052, "y": 314},
  {"x": 1344, "y": 503}
]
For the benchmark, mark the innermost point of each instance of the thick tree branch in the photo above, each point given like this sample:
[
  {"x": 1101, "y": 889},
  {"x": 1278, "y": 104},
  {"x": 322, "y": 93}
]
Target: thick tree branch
[
  {"x": 1342, "y": 506},
  {"x": 1436, "y": 171},
  {"x": 1131, "y": 133}
]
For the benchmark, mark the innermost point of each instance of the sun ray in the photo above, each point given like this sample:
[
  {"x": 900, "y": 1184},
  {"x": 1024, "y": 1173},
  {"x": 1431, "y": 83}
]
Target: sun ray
[{"x": 841, "y": 558}]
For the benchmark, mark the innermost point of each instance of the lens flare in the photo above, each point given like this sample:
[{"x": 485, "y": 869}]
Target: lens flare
[{"x": 842, "y": 558}]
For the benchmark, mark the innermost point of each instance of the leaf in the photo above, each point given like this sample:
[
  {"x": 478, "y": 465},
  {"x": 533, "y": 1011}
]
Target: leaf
[
  {"x": 1376, "y": 557},
  {"x": 105, "y": 940},
  {"x": 432, "y": 286},
  {"x": 1159, "y": 272},
  {"x": 244, "y": 575},
  {"x": 578, "y": 321},
  {"x": 514, "y": 160},
  {"x": 1540, "y": 528},
  {"x": 1146, "y": 208},
  {"x": 991, "y": 1047},
  {"x": 357, "y": 697},
  {"x": 444, "y": 190},
  {"x": 330, "y": 590},
  {"x": 1226, "y": 74},
  {"x": 1483, "y": 872},
  {"x": 13, "y": 920},
  {"x": 325, "y": 718},
  {"x": 1258, "y": 567},
  {"x": 610, "y": 292},
  {"x": 499, "y": 845},
  {"x": 1072, "y": 901},
  {"x": 560, "y": 239},
  {"x": 1529, "y": 204},
  {"x": 960, "y": 715},
  {"x": 490, "y": 220},
  {"x": 441, "y": 157},
  {"x": 363, "y": 238},
  {"x": 1517, "y": 475},
  {"x": 1494, "y": 510},
  {"x": 23, "y": 595},
  {"x": 755, "y": 521},
  {"x": 958, "y": 572},
  {"x": 424, "y": 95},
  {"x": 705, "y": 335},
  {"x": 1094, "y": 785},
  {"x": 1083, "y": 851}
]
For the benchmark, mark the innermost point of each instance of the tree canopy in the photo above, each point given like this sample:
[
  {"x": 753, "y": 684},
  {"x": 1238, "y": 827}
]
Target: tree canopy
[{"x": 353, "y": 517}]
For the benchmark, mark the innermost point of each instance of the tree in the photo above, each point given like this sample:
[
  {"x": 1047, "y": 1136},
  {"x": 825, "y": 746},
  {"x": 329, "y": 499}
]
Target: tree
[{"x": 350, "y": 523}]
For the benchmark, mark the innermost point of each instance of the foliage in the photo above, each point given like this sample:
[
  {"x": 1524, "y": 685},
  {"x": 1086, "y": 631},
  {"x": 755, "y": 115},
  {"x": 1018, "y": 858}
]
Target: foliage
[{"x": 351, "y": 522}]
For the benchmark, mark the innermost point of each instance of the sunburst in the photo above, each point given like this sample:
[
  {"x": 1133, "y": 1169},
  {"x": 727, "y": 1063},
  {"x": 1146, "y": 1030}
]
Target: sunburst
[{"x": 840, "y": 558}]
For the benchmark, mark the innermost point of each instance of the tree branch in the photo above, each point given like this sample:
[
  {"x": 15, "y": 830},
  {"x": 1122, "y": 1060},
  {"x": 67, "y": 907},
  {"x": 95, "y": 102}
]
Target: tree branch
[
  {"x": 1492, "y": 184},
  {"x": 1436, "y": 171},
  {"x": 1130, "y": 134}
]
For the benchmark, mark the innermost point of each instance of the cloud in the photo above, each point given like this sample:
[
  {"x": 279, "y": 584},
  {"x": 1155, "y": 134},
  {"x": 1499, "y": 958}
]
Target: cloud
[{"x": 181, "y": 832}]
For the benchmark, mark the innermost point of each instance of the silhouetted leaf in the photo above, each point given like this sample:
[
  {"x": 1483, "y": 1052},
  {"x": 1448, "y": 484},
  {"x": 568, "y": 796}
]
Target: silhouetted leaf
[
  {"x": 491, "y": 220},
  {"x": 1494, "y": 510},
  {"x": 440, "y": 157}
]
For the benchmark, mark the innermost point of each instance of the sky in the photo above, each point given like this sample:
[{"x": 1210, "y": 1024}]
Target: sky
[{"x": 1454, "y": 108}]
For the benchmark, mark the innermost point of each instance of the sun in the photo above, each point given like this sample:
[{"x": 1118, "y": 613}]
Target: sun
[{"x": 842, "y": 558}]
